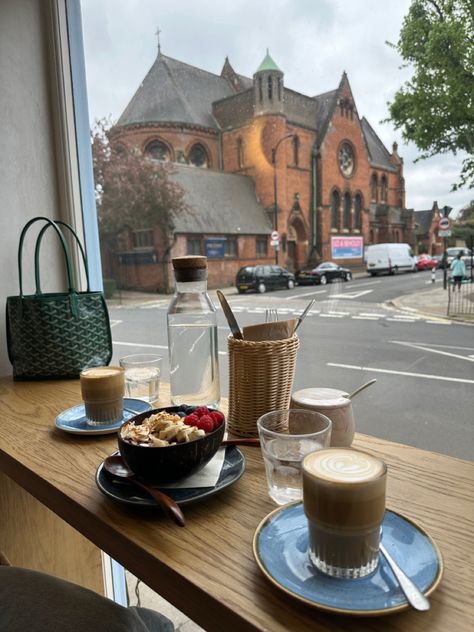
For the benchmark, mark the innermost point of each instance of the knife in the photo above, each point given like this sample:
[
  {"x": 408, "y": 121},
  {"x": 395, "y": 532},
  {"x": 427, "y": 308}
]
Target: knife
[{"x": 229, "y": 314}]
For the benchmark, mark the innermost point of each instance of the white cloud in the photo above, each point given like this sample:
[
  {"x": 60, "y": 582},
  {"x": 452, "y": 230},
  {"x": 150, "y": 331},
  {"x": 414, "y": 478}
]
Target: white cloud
[{"x": 312, "y": 41}]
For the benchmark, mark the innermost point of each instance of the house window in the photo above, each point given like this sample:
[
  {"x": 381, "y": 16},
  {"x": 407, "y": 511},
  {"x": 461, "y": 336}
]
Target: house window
[
  {"x": 358, "y": 211},
  {"x": 347, "y": 210},
  {"x": 230, "y": 247},
  {"x": 296, "y": 148},
  {"x": 142, "y": 239},
  {"x": 335, "y": 201},
  {"x": 383, "y": 189},
  {"x": 261, "y": 248},
  {"x": 240, "y": 153},
  {"x": 157, "y": 150},
  {"x": 373, "y": 188},
  {"x": 193, "y": 246},
  {"x": 198, "y": 156}
]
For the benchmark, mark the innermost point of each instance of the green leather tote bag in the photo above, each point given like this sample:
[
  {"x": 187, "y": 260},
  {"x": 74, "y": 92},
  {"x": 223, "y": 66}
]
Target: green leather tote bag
[{"x": 56, "y": 335}]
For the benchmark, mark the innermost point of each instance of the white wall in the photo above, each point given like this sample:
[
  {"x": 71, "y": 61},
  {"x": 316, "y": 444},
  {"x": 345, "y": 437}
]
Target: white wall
[{"x": 28, "y": 167}]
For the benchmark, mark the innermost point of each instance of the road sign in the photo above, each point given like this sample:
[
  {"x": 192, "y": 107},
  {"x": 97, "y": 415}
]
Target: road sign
[
  {"x": 444, "y": 223},
  {"x": 445, "y": 233},
  {"x": 275, "y": 236},
  {"x": 274, "y": 242}
]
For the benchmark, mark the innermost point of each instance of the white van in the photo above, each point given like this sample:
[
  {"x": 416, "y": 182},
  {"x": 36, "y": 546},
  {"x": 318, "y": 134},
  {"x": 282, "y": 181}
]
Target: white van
[{"x": 390, "y": 258}]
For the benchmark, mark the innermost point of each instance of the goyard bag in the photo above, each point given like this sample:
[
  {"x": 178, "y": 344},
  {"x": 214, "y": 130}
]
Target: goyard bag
[{"x": 56, "y": 335}]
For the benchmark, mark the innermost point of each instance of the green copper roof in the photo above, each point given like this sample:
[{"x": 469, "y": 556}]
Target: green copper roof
[{"x": 268, "y": 64}]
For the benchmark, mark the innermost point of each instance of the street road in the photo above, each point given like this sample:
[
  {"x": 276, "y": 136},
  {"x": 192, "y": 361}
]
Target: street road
[{"x": 424, "y": 395}]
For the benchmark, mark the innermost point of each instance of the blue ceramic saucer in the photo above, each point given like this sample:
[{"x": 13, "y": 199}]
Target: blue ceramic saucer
[
  {"x": 281, "y": 549},
  {"x": 74, "y": 419}
]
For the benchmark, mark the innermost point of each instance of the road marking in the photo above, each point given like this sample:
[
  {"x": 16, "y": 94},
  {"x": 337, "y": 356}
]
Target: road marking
[
  {"x": 401, "y": 320},
  {"x": 332, "y": 315},
  {"x": 423, "y": 347},
  {"x": 364, "y": 284},
  {"x": 115, "y": 322},
  {"x": 148, "y": 346},
  {"x": 425, "y": 376},
  {"x": 290, "y": 298},
  {"x": 372, "y": 314},
  {"x": 338, "y": 313},
  {"x": 438, "y": 322},
  {"x": 352, "y": 294},
  {"x": 365, "y": 318},
  {"x": 442, "y": 346}
]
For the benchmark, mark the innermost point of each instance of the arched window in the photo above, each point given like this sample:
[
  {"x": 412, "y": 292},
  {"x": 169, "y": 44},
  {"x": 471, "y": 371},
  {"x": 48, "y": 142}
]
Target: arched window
[
  {"x": 335, "y": 201},
  {"x": 373, "y": 188},
  {"x": 358, "y": 211},
  {"x": 260, "y": 89},
  {"x": 296, "y": 150},
  {"x": 383, "y": 189},
  {"x": 198, "y": 156},
  {"x": 157, "y": 150},
  {"x": 240, "y": 153},
  {"x": 270, "y": 87},
  {"x": 347, "y": 210}
]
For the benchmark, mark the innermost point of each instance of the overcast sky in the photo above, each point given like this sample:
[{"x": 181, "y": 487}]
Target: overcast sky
[{"x": 312, "y": 41}]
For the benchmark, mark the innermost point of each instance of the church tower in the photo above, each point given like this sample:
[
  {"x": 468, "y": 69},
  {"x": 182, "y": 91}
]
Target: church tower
[{"x": 268, "y": 87}]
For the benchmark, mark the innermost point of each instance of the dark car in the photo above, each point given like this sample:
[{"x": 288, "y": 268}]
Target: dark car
[
  {"x": 263, "y": 278},
  {"x": 322, "y": 274}
]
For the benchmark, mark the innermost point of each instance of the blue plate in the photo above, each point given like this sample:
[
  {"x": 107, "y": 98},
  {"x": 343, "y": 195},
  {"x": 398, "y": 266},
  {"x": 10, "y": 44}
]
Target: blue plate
[
  {"x": 280, "y": 547},
  {"x": 128, "y": 494},
  {"x": 74, "y": 419}
]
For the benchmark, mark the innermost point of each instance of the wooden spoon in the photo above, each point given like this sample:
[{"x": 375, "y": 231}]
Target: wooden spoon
[{"x": 116, "y": 466}]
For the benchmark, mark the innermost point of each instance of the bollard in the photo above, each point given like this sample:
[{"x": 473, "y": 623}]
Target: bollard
[{"x": 433, "y": 275}]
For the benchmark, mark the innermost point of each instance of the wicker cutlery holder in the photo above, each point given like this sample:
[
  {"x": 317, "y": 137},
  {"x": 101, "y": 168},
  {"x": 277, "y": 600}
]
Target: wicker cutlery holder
[{"x": 260, "y": 380}]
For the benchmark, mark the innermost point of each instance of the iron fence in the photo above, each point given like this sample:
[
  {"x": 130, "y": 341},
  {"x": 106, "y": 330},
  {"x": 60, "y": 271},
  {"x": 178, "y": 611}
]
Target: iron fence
[{"x": 461, "y": 300}]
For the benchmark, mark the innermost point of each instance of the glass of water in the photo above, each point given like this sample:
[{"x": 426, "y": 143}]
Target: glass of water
[
  {"x": 142, "y": 376},
  {"x": 286, "y": 437}
]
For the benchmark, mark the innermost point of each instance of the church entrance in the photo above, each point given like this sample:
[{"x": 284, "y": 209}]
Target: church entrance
[{"x": 297, "y": 245}]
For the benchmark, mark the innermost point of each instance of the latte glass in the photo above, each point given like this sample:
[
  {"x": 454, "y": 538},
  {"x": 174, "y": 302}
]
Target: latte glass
[
  {"x": 102, "y": 390},
  {"x": 286, "y": 437},
  {"x": 344, "y": 502}
]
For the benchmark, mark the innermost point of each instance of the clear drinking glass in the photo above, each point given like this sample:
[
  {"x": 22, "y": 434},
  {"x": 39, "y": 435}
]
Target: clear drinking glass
[
  {"x": 142, "y": 376},
  {"x": 286, "y": 437}
]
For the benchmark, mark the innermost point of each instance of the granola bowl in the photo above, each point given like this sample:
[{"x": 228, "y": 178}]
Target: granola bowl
[{"x": 140, "y": 444}]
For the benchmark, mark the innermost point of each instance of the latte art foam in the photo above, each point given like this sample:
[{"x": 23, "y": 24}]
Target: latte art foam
[{"x": 339, "y": 465}]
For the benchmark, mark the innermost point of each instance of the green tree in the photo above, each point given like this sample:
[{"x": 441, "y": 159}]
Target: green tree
[
  {"x": 464, "y": 225},
  {"x": 435, "y": 108},
  {"x": 133, "y": 192}
]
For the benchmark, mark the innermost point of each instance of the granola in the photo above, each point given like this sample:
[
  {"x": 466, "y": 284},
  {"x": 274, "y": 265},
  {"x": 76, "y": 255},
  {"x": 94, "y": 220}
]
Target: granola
[{"x": 160, "y": 430}]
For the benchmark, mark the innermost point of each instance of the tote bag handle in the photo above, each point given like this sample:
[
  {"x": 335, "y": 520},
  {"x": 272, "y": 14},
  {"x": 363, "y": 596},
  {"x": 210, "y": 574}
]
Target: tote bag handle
[{"x": 37, "y": 253}]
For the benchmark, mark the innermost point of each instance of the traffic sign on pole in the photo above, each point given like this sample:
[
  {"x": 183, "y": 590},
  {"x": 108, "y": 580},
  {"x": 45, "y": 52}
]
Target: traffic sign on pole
[
  {"x": 444, "y": 223},
  {"x": 275, "y": 236}
]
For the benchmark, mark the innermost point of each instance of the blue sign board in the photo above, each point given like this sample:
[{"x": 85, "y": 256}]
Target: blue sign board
[
  {"x": 347, "y": 247},
  {"x": 215, "y": 248}
]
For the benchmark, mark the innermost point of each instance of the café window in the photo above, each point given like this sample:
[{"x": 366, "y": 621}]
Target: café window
[
  {"x": 193, "y": 246},
  {"x": 261, "y": 247},
  {"x": 230, "y": 247},
  {"x": 142, "y": 239}
]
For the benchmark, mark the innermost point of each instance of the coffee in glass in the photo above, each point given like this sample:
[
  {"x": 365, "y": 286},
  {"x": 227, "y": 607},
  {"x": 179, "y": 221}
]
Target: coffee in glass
[
  {"x": 102, "y": 390},
  {"x": 344, "y": 502}
]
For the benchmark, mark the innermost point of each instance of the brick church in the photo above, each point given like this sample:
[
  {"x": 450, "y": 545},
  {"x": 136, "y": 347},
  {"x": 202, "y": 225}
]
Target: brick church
[{"x": 255, "y": 157}]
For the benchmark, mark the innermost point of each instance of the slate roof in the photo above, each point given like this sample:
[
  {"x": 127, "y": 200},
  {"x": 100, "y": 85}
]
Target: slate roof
[
  {"x": 221, "y": 203},
  {"x": 378, "y": 153},
  {"x": 423, "y": 219},
  {"x": 175, "y": 92},
  {"x": 326, "y": 102}
]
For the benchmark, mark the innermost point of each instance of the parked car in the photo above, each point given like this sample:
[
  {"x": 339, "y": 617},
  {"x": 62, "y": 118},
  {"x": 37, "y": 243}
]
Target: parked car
[
  {"x": 425, "y": 262},
  {"x": 452, "y": 253},
  {"x": 390, "y": 258},
  {"x": 263, "y": 278},
  {"x": 322, "y": 274}
]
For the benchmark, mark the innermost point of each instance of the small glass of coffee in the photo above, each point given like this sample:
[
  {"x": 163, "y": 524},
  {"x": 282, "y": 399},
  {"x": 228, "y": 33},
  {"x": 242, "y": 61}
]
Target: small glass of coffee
[
  {"x": 344, "y": 502},
  {"x": 102, "y": 390},
  {"x": 142, "y": 376},
  {"x": 286, "y": 437}
]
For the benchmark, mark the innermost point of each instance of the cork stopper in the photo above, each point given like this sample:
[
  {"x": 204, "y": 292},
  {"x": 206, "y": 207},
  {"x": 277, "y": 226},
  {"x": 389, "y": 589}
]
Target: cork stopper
[
  {"x": 188, "y": 262},
  {"x": 190, "y": 268}
]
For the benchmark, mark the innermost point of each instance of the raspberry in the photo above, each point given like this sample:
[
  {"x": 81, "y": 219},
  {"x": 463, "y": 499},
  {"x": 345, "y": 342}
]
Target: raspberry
[
  {"x": 217, "y": 418},
  {"x": 191, "y": 420},
  {"x": 202, "y": 410},
  {"x": 206, "y": 423}
]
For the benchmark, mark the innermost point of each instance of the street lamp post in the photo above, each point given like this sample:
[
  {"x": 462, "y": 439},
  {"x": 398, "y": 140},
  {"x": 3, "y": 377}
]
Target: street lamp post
[{"x": 275, "y": 189}]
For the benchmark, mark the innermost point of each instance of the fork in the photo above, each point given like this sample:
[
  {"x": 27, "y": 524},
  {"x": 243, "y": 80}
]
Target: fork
[{"x": 271, "y": 315}]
